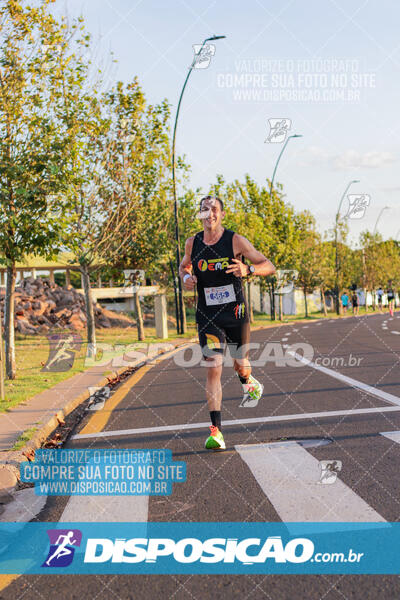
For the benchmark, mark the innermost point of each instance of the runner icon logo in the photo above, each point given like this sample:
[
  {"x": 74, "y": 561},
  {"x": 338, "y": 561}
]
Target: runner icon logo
[
  {"x": 278, "y": 130},
  {"x": 239, "y": 310},
  {"x": 203, "y": 55},
  {"x": 63, "y": 347},
  {"x": 329, "y": 471},
  {"x": 61, "y": 552},
  {"x": 98, "y": 396},
  {"x": 358, "y": 204}
]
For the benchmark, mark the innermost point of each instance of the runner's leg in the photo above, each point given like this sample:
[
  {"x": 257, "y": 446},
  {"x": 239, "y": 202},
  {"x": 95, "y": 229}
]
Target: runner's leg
[
  {"x": 212, "y": 341},
  {"x": 238, "y": 339},
  {"x": 213, "y": 385}
]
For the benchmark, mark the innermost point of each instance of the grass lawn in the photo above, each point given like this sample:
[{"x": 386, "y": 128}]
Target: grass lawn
[{"x": 32, "y": 353}]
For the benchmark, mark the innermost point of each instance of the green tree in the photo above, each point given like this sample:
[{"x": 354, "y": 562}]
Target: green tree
[
  {"x": 37, "y": 72},
  {"x": 138, "y": 167},
  {"x": 309, "y": 254}
]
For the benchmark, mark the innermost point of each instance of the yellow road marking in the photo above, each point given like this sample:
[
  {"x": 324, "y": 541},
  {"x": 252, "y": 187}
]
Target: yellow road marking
[
  {"x": 100, "y": 419},
  {"x": 5, "y": 580}
]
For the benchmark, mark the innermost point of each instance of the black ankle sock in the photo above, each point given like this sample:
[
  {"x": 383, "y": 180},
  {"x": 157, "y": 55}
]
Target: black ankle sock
[
  {"x": 243, "y": 379},
  {"x": 215, "y": 416}
]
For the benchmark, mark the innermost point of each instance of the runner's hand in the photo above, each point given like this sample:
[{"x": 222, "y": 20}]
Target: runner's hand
[
  {"x": 190, "y": 282},
  {"x": 237, "y": 268}
]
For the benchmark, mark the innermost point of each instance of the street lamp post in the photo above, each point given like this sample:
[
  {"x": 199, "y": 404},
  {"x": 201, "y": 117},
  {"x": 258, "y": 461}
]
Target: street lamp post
[
  {"x": 295, "y": 135},
  {"x": 374, "y": 231},
  {"x": 379, "y": 216},
  {"x": 180, "y": 324},
  {"x": 336, "y": 243}
]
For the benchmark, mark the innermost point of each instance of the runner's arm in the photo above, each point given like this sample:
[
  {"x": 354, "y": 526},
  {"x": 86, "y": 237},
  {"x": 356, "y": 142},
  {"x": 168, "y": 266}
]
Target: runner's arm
[
  {"x": 185, "y": 268},
  {"x": 263, "y": 267}
]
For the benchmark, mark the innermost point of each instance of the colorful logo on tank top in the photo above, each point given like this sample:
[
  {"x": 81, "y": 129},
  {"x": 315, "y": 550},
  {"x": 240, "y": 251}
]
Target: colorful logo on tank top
[
  {"x": 215, "y": 264},
  {"x": 239, "y": 310}
]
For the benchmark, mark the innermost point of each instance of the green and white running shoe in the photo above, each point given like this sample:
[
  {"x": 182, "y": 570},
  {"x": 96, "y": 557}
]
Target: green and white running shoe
[
  {"x": 216, "y": 440},
  {"x": 253, "y": 391}
]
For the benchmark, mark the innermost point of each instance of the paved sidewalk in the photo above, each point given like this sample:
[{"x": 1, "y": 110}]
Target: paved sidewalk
[{"x": 37, "y": 411}]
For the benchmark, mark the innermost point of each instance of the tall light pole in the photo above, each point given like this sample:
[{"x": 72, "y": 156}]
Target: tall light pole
[
  {"x": 379, "y": 216},
  {"x": 336, "y": 243},
  {"x": 295, "y": 135},
  {"x": 180, "y": 324}
]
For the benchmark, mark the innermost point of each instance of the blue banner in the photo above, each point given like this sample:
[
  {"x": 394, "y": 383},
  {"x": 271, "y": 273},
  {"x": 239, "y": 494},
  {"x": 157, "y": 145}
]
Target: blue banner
[{"x": 213, "y": 548}]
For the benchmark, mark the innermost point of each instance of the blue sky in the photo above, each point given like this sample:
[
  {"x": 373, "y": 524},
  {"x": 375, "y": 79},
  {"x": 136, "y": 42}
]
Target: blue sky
[{"x": 334, "y": 64}]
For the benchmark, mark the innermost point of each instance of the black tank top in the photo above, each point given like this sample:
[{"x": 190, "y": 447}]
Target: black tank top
[{"x": 220, "y": 294}]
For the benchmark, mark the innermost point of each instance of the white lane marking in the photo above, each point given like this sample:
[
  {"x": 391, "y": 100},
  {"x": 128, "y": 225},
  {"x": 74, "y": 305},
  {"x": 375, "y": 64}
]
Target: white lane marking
[
  {"x": 187, "y": 426},
  {"x": 289, "y": 476},
  {"x": 106, "y": 509},
  {"x": 349, "y": 380},
  {"x": 392, "y": 435}
]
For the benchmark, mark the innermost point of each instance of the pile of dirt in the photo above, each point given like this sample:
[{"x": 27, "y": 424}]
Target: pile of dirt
[{"x": 41, "y": 306}]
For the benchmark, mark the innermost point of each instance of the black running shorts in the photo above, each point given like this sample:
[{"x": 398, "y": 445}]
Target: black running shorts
[{"x": 213, "y": 337}]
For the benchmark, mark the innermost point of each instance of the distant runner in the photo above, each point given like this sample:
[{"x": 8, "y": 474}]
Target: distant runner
[
  {"x": 379, "y": 293},
  {"x": 390, "y": 297},
  {"x": 355, "y": 302},
  {"x": 213, "y": 262},
  {"x": 345, "y": 302}
]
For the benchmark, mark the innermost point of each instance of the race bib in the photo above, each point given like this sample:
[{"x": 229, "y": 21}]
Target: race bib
[{"x": 220, "y": 295}]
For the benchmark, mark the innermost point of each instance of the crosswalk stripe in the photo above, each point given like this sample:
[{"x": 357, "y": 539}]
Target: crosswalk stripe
[
  {"x": 392, "y": 435},
  {"x": 289, "y": 476},
  {"x": 106, "y": 509}
]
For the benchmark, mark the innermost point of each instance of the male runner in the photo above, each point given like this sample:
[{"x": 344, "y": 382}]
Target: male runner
[
  {"x": 390, "y": 297},
  {"x": 355, "y": 302},
  {"x": 345, "y": 302},
  {"x": 379, "y": 293},
  {"x": 214, "y": 257}
]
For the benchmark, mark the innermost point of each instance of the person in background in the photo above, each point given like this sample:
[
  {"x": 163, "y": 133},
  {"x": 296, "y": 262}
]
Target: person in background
[
  {"x": 345, "y": 302},
  {"x": 390, "y": 297},
  {"x": 379, "y": 295},
  {"x": 355, "y": 302}
]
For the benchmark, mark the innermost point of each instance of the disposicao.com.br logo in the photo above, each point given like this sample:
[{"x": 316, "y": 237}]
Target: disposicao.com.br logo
[
  {"x": 247, "y": 551},
  {"x": 238, "y": 548}
]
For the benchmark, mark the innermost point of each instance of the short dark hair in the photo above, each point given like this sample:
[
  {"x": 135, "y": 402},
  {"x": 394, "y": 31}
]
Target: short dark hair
[{"x": 213, "y": 198}]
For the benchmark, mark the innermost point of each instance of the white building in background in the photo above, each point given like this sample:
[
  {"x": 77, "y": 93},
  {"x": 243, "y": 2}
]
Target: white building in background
[{"x": 292, "y": 303}]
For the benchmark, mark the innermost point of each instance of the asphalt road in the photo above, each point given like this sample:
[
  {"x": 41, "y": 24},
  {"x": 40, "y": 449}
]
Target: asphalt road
[{"x": 223, "y": 487}]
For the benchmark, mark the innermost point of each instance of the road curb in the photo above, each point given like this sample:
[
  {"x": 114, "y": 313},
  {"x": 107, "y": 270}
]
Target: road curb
[{"x": 10, "y": 460}]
